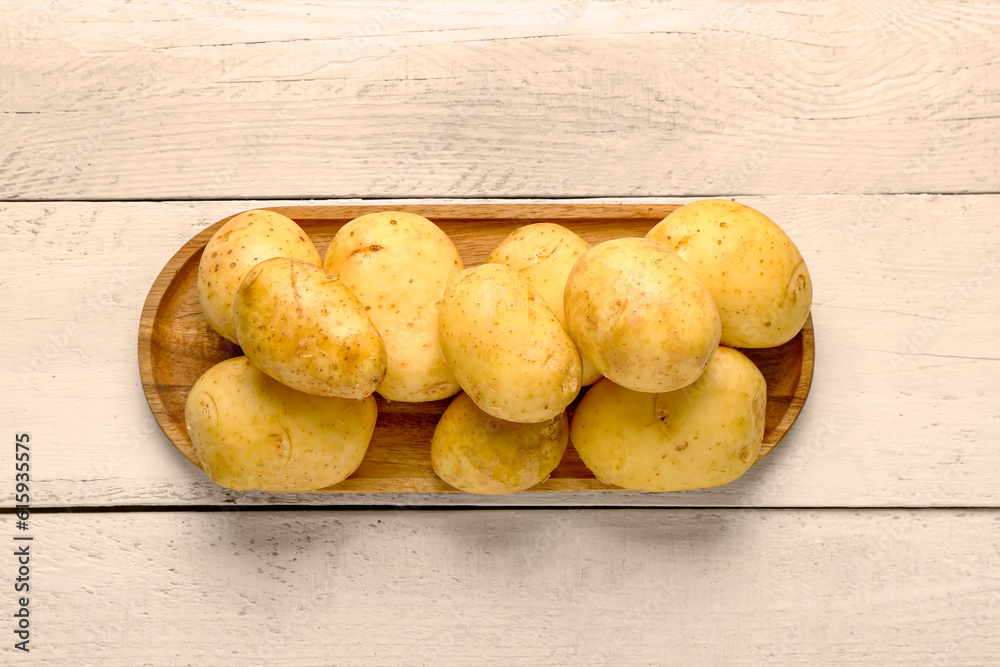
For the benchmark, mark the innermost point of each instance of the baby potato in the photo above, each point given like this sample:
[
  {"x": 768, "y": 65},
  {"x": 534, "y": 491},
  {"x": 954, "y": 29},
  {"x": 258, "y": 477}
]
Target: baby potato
[
  {"x": 247, "y": 239},
  {"x": 543, "y": 254},
  {"x": 251, "y": 432},
  {"x": 706, "y": 434},
  {"x": 756, "y": 274},
  {"x": 303, "y": 327},
  {"x": 478, "y": 453},
  {"x": 506, "y": 348},
  {"x": 398, "y": 265},
  {"x": 641, "y": 315}
]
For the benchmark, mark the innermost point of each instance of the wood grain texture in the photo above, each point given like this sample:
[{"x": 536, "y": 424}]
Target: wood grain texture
[
  {"x": 176, "y": 344},
  {"x": 630, "y": 587},
  {"x": 902, "y": 411},
  {"x": 256, "y": 98},
  {"x": 259, "y": 98}
]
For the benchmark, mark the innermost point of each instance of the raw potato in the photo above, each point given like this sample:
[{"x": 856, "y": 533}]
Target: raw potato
[
  {"x": 303, "y": 327},
  {"x": 706, "y": 434},
  {"x": 507, "y": 349},
  {"x": 755, "y": 273},
  {"x": 398, "y": 265},
  {"x": 544, "y": 253},
  {"x": 247, "y": 239},
  {"x": 252, "y": 432},
  {"x": 478, "y": 453},
  {"x": 641, "y": 315}
]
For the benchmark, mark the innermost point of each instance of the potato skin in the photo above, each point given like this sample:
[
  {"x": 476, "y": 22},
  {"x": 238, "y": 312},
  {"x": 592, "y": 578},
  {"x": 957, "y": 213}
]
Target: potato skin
[
  {"x": 252, "y": 432},
  {"x": 247, "y": 239},
  {"x": 478, "y": 453},
  {"x": 506, "y": 347},
  {"x": 304, "y": 328},
  {"x": 641, "y": 315},
  {"x": 756, "y": 274},
  {"x": 706, "y": 434},
  {"x": 398, "y": 265},
  {"x": 544, "y": 253}
]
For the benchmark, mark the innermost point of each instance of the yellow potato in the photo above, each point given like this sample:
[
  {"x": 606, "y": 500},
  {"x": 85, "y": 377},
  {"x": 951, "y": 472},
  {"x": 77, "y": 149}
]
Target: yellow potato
[
  {"x": 398, "y": 265},
  {"x": 252, "y": 432},
  {"x": 303, "y": 327},
  {"x": 544, "y": 253},
  {"x": 641, "y": 315},
  {"x": 478, "y": 453},
  {"x": 706, "y": 434},
  {"x": 247, "y": 239},
  {"x": 756, "y": 274},
  {"x": 507, "y": 349}
]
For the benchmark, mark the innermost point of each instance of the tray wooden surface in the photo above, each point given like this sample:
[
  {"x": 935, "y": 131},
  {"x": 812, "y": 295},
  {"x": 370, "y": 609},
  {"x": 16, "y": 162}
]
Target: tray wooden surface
[{"x": 176, "y": 345}]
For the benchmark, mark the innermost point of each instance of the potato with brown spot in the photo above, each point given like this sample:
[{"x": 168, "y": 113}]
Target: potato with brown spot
[
  {"x": 641, "y": 315},
  {"x": 706, "y": 434},
  {"x": 757, "y": 276},
  {"x": 244, "y": 241},
  {"x": 305, "y": 328},
  {"x": 478, "y": 453},
  {"x": 250, "y": 432},
  {"x": 506, "y": 347},
  {"x": 544, "y": 253},
  {"x": 398, "y": 265}
]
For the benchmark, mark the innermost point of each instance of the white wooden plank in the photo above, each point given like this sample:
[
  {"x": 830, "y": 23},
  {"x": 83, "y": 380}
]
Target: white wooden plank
[
  {"x": 259, "y": 98},
  {"x": 903, "y": 410},
  {"x": 683, "y": 587}
]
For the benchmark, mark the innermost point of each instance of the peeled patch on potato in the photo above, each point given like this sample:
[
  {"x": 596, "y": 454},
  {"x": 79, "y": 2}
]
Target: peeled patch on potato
[
  {"x": 706, "y": 434},
  {"x": 757, "y": 276},
  {"x": 543, "y": 254},
  {"x": 244, "y": 241},
  {"x": 505, "y": 346},
  {"x": 478, "y": 453},
  {"x": 251, "y": 432},
  {"x": 398, "y": 265},
  {"x": 641, "y": 315},
  {"x": 303, "y": 327}
]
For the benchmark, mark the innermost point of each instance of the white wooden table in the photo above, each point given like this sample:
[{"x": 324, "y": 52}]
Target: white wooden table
[{"x": 869, "y": 130}]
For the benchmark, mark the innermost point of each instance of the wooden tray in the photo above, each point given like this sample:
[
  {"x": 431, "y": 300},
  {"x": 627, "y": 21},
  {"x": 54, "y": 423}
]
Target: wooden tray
[{"x": 176, "y": 345}]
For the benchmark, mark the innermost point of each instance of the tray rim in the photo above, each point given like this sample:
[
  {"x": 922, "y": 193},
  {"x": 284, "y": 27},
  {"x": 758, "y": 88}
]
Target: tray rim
[{"x": 472, "y": 211}]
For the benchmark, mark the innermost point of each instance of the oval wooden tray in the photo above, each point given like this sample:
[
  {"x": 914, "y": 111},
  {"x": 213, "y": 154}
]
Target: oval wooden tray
[{"x": 176, "y": 345}]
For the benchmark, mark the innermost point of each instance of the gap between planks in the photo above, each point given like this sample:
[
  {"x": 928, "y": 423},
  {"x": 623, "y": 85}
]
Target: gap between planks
[
  {"x": 180, "y": 509},
  {"x": 361, "y": 199}
]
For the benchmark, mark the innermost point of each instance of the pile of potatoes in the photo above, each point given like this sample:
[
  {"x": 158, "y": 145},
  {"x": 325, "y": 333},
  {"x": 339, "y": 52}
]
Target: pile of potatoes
[{"x": 651, "y": 323}]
